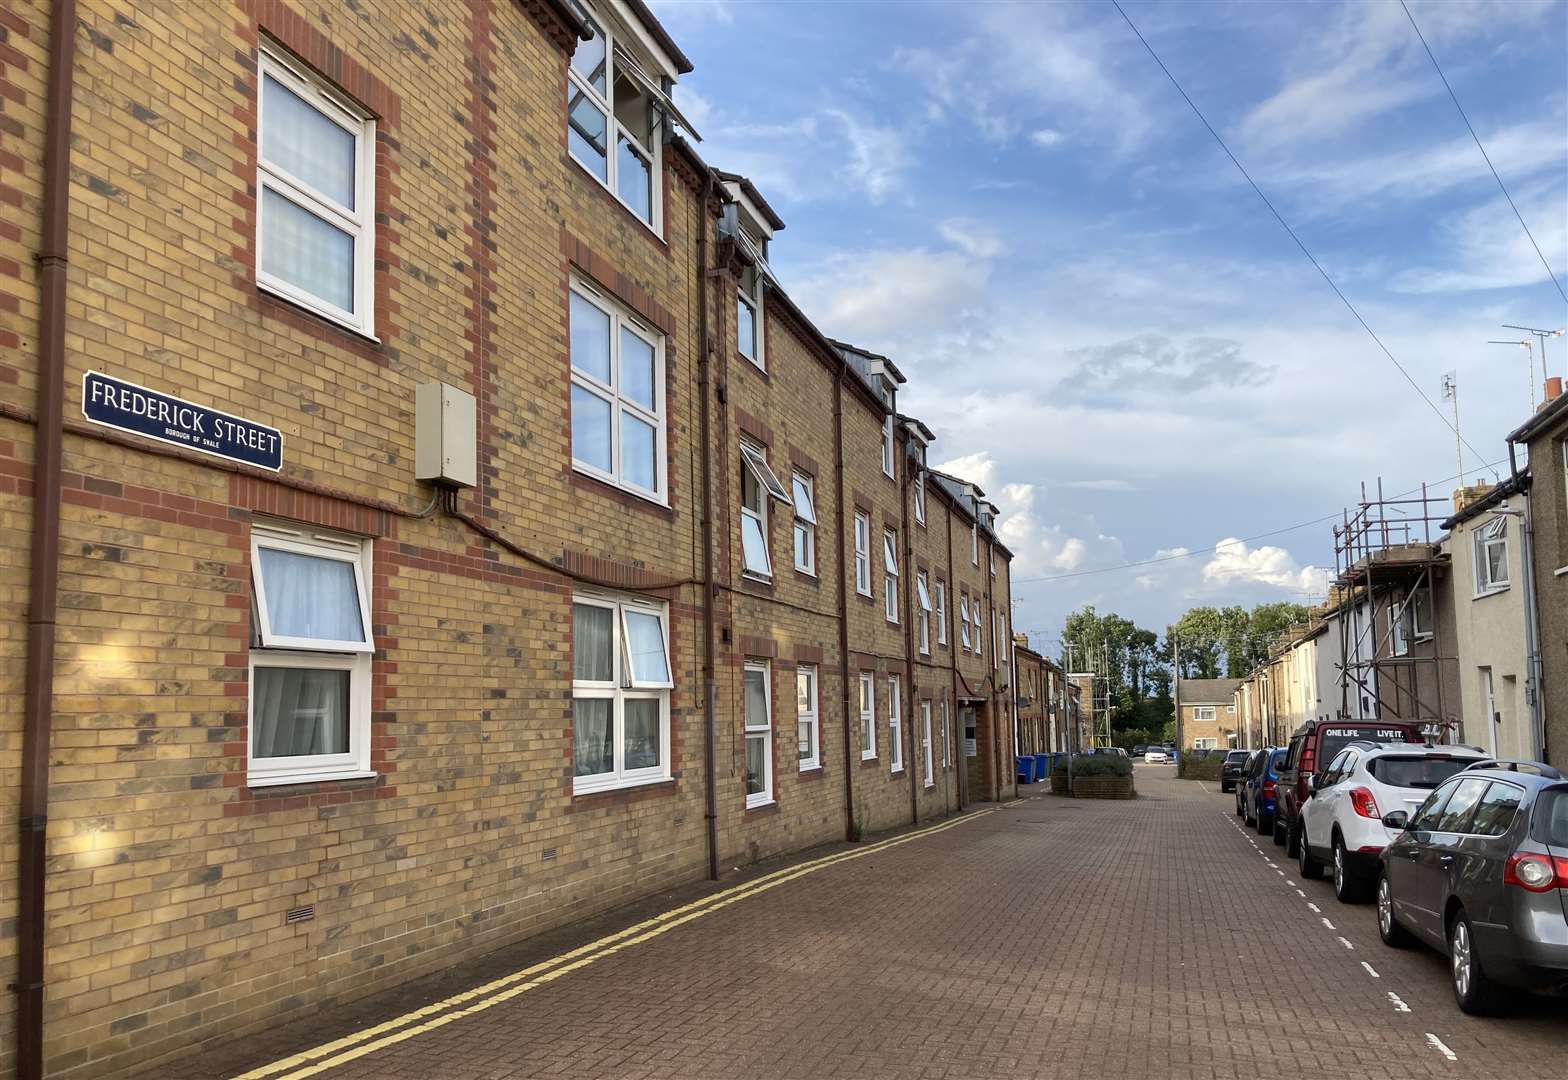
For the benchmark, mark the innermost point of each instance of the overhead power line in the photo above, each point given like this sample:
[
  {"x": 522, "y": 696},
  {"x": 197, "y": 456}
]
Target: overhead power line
[
  {"x": 1186, "y": 554},
  {"x": 1436, "y": 411},
  {"x": 1550, "y": 273}
]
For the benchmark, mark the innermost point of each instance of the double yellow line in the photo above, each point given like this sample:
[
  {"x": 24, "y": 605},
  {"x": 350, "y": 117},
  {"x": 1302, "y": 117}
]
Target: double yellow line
[{"x": 330, "y": 1055}]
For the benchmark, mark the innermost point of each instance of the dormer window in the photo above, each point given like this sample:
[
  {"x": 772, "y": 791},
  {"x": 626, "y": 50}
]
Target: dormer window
[
  {"x": 612, "y": 125},
  {"x": 748, "y": 316}
]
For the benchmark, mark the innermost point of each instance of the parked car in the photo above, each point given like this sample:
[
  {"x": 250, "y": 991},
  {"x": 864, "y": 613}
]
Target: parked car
[
  {"x": 1480, "y": 871},
  {"x": 1139, "y": 750},
  {"x": 1231, "y": 770},
  {"x": 1342, "y": 823},
  {"x": 1260, "y": 794},
  {"x": 1241, "y": 780},
  {"x": 1156, "y": 755},
  {"x": 1313, "y": 745}
]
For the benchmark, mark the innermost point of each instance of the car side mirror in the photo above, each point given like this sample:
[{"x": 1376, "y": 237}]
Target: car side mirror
[{"x": 1396, "y": 819}]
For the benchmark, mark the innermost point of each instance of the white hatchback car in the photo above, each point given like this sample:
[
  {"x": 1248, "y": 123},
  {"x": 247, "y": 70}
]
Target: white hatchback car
[
  {"x": 1156, "y": 757},
  {"x": 1342, "y": 823}
]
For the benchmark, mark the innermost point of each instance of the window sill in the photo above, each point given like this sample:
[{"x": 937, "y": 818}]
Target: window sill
[
  {"x": 605, "y": 786},
  {"x": 302, "y": 779},
  {"x": 895, "y": 770},
  {"x": 605, "y": 189},
  {"x": 811, "y": 768},
  {"x": 274, "y": 293},
  {"x": 810, "y": 575},
  {"x": 930, "y": 784},
  {"x": 756, "y": 368},
  {"x": 614, "y": 485},
  {"x": 1490, "y": 592},
  {"x": 771, "y": 804}
]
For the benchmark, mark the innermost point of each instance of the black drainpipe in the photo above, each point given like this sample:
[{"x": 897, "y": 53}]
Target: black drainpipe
[
  {"x": 851, "y": 833},
  {"x": 709, "y": 683}
]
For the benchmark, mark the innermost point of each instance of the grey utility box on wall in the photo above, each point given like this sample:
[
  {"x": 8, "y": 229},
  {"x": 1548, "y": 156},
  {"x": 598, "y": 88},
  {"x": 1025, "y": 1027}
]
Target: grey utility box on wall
[{"x": 444, "y": 447}]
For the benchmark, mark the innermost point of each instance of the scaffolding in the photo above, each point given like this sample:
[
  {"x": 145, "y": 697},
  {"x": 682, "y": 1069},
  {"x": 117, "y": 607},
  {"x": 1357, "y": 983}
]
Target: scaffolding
[{"x": 1387, "y": 561}]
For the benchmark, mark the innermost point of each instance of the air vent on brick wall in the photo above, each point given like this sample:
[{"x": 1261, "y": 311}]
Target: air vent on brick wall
[
  {"x": 549, "y": 853},
  {"x": 300, "y": 914}
]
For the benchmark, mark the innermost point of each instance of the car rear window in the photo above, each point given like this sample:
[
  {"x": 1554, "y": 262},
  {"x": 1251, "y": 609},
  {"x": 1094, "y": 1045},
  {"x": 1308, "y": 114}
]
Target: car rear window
[
  {"x": 1236, "y": 755},
  {"x": 1416, "y": 772},
  {"x": 1551, "y": 816}
]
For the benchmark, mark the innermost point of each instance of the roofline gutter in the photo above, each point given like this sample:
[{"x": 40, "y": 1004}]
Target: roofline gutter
[{"x": 44, "y": 569}]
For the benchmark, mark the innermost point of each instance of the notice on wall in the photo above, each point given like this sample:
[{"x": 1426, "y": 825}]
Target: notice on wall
[
  {"x": 970, "y": 749},
  {"x": 118, "y": 404}
]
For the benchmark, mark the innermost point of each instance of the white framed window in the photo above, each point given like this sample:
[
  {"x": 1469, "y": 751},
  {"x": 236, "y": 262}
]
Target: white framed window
[
  {"x": 941, "y": 612},
  {"x": 895, "y": 733},
  {"x": 1203, "y": 712},
  {"x": 920, "y": 497},
  {"x": 974, "y": 544},
  {"x": 1000, "y": 626},
  {"x": 868, "y": 716},
  {"x": 1230, "y": 710},
  {"x": 804, "y": 490},
  {"x": 759, "y": 734},
  {"x": 315, "y": 195},
  {"x": 923, "y": 597},
  {"x": 887, "y": 445},
  {"x": 1491, "y": 556},
  {"x": 947, "y": 750},
  {"x": 621, "y": 682},
  {"x": 748, "y": 316},
  {"x": 890, "y": 574},
  {"x": 979, "y": 627},
  {"x": 758, "y": 484},
  {"x": 862, "y": 553},
  {"x": 1421, "y": 615},
  {"x": 1205, "y": 744},
  {"x": 612, "y": 125},
  {"x": 991, "y": 556},
  {"x": 1399, "y": 629},
  {"x": 963, "y": 621},
  {"x": 310, "y": 654},
  {"x": 808, "y": 729},
  {"x": 618, "y": 407},
  {"x": 927, "y": 751}
]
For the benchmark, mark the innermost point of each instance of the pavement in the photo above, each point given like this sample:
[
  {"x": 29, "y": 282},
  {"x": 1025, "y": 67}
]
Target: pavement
[{"x": 1046, "y": 938}]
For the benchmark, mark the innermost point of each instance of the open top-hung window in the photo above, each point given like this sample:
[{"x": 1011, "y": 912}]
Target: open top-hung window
[
  {"x": 612, "y": 122},
  {"x": 923, "y": 597},
  {"x": 1491, "y": 556},
  {"x": 890, "y": 574},
  {"x": 618, "y": 430},
  {"x": 309, "y": 658},
  {"x": 805, "y": 523},
  {"x": 963, "y": 620},
  {"x": 315, "y": 195},
  {"x": 621, "y": 680},
  {"x": 758, "y": 484}
]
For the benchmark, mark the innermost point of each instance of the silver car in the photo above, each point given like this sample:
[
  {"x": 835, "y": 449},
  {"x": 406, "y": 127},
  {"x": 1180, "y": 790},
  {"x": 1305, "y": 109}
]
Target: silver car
[{"x": 1480, "y": 871}]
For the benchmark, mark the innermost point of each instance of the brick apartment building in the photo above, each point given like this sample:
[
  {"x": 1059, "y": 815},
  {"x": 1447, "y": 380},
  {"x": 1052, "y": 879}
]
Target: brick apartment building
[
  {"x": 1043, "y": 725},
  {"x": 288, "y": 725}
]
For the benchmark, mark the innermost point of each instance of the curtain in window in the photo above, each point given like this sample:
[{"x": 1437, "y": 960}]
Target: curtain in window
[
  {"x": 592, "y": 641},
  {"x": 298, "y": 139},
  {"x": 642, "y": 733},
  {"x": 311, "y": 597},
  {"x": 299, "y": 711},
  {"x": 593, "y": 737},
  {"x": 305, "y": 251}
]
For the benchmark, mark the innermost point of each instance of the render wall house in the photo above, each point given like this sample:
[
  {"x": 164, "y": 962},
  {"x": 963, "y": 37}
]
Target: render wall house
[
  {"x": 1545, "y": 438},
  {"x": 1487, "y": 597},
  {"x": 309, "y": 725}
]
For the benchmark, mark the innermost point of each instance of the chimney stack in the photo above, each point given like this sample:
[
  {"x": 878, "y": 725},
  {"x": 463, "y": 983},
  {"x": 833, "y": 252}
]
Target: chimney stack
[
  {"x": 1554, "y": 388},
  {"x": 1465, "y": 496}
]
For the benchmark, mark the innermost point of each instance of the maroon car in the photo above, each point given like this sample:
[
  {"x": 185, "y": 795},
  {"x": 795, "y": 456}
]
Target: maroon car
[{"x": 1313, "y": 746}]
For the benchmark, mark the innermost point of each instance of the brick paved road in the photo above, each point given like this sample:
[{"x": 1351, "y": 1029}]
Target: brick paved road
[{"x": 1048, "y": 938}]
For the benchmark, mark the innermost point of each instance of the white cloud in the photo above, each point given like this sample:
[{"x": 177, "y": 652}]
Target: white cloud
[
  {"x": 973, "y": 238},
  {"x": 1045, "y": 138},
  {"x": 1488, "y": 250},
  {"x": 884, "y": 295},
  {"x": 1234, "y": 563},
  {"x": 877, "y": 155}
]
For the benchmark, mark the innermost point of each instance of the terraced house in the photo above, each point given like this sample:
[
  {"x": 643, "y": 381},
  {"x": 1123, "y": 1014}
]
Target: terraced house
[{"x": 431, "y": 519}]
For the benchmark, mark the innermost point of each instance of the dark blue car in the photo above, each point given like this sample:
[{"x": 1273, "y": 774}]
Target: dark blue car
[{"x": 1260, "y": 787}]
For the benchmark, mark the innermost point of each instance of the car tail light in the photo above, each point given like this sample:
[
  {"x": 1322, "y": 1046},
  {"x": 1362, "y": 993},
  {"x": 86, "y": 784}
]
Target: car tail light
[
  {"x": 1268, "y": 789},
  {"x": 1537, "y": 873},
  {"x": 1365, "y": 805}
]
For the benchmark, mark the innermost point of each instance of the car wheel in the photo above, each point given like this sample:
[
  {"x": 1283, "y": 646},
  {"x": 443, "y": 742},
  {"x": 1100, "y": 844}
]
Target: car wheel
[
  {"x": 1309, "y": 867},
  {"x": 1388, "y": 928},
  {"x": 1293, "y": 840},
  {"x": 1239, "y": 809},
  {"x": 1347, "y": 887},
  {"x": 1265, "y": 824},
  {"x": 1475, "y": 993},
  {"x": 1246, "y": 814},
  {"x": 1278, "y": 830}
]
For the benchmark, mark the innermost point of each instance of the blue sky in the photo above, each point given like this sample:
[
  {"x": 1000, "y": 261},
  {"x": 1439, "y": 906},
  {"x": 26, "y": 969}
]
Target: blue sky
[{"x": 1099, "y": 318}]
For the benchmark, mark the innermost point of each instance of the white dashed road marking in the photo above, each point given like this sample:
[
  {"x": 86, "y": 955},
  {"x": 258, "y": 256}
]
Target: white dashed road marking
[
  {"x": 1326, "y": 923},
  {"x": 1372, "y": 971},
  {"x": 1314, "y": 907},
  {"x": 1437, "y": 1044},
  {"x": 1301, "y": 894},
  {"x": 1399, "y": 1006},
  {"x": 1345, "y": 942}
]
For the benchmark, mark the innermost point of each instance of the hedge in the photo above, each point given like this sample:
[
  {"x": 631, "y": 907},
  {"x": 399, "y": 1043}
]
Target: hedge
[
  {"x": 1200, "y": 768},
  {"x": 1088, "y": 765}
]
